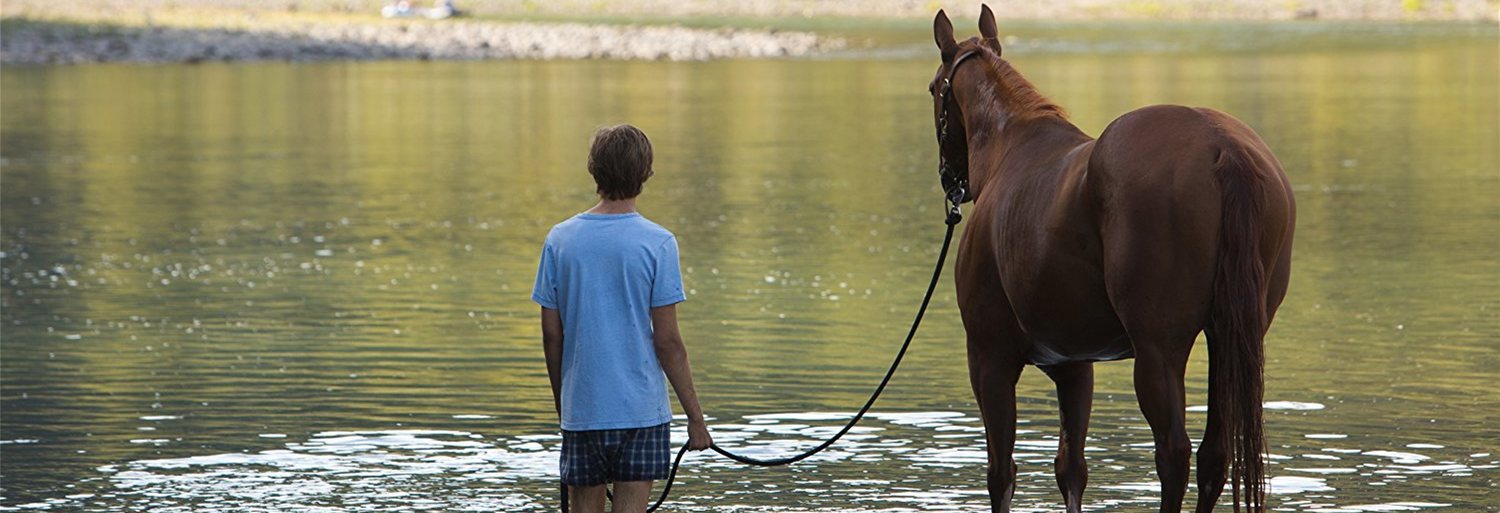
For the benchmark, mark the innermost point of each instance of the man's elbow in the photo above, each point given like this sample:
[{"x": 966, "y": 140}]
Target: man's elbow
[
  {"x": 552, "y": 340},
  {"x": 669, "y": 347}
]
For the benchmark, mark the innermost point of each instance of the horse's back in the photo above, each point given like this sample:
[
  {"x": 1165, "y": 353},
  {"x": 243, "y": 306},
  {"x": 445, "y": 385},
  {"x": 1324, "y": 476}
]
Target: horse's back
[
  {"x": 1174, "y": 150},
  {"x": 1155, "y": 150}
]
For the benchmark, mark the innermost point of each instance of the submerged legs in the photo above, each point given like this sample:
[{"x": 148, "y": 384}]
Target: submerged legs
[
  {"x": 994, "y": 380},
  {"x": 1213, "y": 451},
  {"x": 1075, "y": 397},
  {"x": 1159, "y": 389}
]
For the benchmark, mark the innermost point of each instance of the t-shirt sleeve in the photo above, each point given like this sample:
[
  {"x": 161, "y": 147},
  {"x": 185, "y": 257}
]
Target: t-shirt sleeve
[
  {"x": 666, "y": 286},
  {"x": 545, "y": 290}
]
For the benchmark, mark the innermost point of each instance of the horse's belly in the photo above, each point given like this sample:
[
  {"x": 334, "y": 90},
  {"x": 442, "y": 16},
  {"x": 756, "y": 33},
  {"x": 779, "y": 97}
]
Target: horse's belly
[
  {"x": 1067, "y": 317},
  {"x": 1044, "y": 352}
]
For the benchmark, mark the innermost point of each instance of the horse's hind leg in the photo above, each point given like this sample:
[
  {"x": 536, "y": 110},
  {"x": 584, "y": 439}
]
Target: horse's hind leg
[
  {"x": 1075, "y": 398},
  {"x": 1159, "y": 369},
  {"x": 1160, "y": 250},
  {"x": 1213, "y": 451}
]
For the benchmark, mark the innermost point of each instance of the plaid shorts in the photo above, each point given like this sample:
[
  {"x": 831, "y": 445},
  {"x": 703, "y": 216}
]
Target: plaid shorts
[{"x": 614, "y": 455}]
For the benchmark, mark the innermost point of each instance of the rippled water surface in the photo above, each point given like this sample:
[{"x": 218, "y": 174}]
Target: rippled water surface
[{"x": 276, "y": 287}]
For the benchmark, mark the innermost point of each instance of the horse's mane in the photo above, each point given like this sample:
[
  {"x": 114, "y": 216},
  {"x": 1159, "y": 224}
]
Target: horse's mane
[{"x": 1020, "y": 98}]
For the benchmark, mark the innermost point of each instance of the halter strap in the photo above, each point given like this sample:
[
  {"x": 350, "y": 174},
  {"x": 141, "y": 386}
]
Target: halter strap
[{"x": 954, "y": 193}]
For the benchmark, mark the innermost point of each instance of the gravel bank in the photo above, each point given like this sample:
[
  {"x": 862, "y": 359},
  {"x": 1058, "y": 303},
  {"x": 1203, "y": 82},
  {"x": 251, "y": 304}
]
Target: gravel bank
[
  {"x": 1399, "y": 10},
  {"x": 53, "y": 42},
  {"x": 78, "y": 31},
  {"x": 1365, "y": 10}
]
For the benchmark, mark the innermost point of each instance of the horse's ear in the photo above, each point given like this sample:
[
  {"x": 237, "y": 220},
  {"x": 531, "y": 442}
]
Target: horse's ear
[
  {"x": 987, "y": 28},
  {"x": 942, "y": 32}
]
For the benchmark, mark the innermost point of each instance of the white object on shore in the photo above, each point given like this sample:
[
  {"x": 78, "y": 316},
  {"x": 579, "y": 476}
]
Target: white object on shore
[
  {"x": 400, "y": 9},
  {"x": 441, "y": 9}
]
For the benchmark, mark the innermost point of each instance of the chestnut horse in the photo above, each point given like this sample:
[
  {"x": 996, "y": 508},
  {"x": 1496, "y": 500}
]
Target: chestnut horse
[{"x": 1175, "y": 220}]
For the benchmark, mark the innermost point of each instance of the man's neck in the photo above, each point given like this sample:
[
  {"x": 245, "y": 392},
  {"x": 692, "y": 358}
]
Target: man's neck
[{"x": 609, "y": 206}]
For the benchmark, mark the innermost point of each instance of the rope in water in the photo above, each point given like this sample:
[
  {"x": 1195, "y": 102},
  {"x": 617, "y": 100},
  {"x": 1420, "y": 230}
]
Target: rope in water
[{"x": 954, "y": 216}]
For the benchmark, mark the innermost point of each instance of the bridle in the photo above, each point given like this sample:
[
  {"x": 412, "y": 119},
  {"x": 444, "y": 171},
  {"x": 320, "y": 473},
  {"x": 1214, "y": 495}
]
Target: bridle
[{"x": 954, "y": 187}]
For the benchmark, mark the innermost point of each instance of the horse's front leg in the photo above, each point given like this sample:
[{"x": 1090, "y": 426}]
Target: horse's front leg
[
  {"x": 993, "y": 372},
  {"x": 1075, "y": 398},
  {"x": 997, "y": 352}
]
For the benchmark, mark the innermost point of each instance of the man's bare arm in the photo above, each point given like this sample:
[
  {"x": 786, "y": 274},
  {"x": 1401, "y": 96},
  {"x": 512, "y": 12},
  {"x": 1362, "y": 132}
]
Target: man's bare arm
[
  {"x": 552, "y": 345},
  {"x": 672, "y": 354}
]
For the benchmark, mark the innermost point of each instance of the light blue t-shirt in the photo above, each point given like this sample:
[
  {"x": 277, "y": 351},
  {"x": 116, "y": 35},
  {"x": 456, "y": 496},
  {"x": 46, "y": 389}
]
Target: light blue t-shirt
[{"x": 604, "y": 273}]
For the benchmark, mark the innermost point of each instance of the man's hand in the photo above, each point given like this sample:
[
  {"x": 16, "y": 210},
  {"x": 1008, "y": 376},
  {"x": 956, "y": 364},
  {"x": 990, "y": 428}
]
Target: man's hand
[
  {"x": 673, "y": 357},
  {"x": 698, "y": 437}
]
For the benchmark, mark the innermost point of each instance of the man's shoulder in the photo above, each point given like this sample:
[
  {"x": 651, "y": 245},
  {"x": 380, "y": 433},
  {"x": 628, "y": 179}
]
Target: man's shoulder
[
  {"x": 655, "y": 231},
  {"x": 654, "y": 234},
  {"x": 563, "y": 228}
]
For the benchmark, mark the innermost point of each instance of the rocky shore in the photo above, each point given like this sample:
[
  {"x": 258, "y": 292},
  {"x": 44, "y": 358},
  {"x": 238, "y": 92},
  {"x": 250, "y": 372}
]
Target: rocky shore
[
  {"x": 161, "y": 31},
  {"x": 1361, "y": 10},
  {"x": 1186, "y": 10},
  {"x": 53, "y": 42}
]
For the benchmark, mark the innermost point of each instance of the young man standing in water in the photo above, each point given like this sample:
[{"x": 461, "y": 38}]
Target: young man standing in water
[{"x": 608, "y": 284}]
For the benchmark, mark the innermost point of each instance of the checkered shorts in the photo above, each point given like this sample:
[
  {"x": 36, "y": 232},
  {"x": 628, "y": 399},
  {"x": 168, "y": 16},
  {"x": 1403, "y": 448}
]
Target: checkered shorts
[{"x": 614, "y": 455}]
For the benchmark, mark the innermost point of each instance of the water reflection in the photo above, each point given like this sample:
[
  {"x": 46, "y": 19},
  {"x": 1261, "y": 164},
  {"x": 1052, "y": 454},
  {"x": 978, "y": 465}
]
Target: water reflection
[
  {"x": 400, "y": 469},
  {"x": 243, "y": 287}
]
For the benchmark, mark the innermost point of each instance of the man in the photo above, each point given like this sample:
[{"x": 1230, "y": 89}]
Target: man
[{"x": 608, "y": 284}]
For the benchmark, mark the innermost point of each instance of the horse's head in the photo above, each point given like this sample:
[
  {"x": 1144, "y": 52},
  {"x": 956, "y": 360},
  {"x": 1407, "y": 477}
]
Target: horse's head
[{"x": 953, "y": 146}]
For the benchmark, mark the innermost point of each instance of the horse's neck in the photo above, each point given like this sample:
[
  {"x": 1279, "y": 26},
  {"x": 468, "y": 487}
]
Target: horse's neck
[
  {"x": 1008, "y": 149},
  {"x": 1008, "y": 114},
  {"x": 1039, "y": 134}
]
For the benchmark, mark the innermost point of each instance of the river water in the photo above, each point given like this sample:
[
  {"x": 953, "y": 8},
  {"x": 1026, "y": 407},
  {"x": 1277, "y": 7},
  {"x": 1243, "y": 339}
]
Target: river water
[{"x": 304, "y": 287}]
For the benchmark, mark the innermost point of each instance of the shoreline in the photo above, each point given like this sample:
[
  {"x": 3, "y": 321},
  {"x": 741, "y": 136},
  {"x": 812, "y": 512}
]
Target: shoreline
[
  {"x": 37, "y": 41},
  {"x": 161, "y": 31},
  {"x": 1059, "y": 10}
]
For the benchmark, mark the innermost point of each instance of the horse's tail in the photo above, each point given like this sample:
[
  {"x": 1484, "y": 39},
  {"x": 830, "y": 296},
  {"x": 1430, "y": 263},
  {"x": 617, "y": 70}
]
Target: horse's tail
[{"x": 1237, "y": 326}]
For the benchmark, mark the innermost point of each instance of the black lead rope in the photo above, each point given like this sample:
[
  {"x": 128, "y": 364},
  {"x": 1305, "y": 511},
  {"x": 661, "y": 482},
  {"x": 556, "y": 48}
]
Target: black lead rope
[
  {"x": 954, "y": 216},
  {"x": 955, "y": 191}
]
